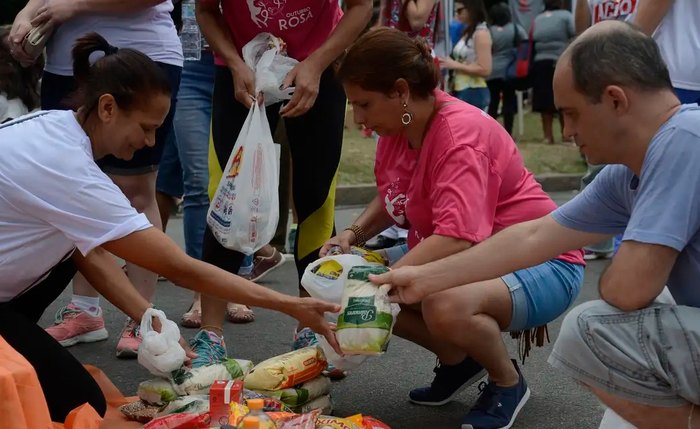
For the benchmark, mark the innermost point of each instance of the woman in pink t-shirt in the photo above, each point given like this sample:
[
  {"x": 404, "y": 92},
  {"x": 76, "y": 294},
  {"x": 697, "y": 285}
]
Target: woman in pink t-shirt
[
  {"x": 316, "y": 33},
  {"x": 453, "y": 176}
]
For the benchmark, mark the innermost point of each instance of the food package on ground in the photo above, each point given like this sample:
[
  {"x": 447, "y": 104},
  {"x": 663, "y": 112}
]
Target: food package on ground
[
  {"x": 329, "y": 422},
  {"x": 271, "y": 404},
  {"x": 300, "y": 395},
  {"x": 287, "y": 370},
  {"x": 157, "y": 391},
  {"x": 193, "y": 404},
  {"x": 367, "y": 422},
  {"x": 303, "y": 421},
  {"x": 221, "y": 395},
  {"x": 197, "y": 381},
  {"x": 238, "y": 411},
  {"x": 367, "y": 316},
  {"x": 180, "y": 421},
  {"x": 139, "y": 411},
  {"x": 323, "y": 403}
]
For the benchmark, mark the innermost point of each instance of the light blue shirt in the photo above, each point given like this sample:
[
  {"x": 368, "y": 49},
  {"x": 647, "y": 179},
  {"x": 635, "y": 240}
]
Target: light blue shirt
[{"x": 662, "y": 206}]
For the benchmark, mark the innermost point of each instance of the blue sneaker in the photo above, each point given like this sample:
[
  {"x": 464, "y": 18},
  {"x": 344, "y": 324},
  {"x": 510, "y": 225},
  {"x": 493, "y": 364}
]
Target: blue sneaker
[
  {"x": 497, "y": 407},
  {"x": 307, "y": 338},
  {"x": 210, "y": 349},
  {"x": 449, "y": 381}
]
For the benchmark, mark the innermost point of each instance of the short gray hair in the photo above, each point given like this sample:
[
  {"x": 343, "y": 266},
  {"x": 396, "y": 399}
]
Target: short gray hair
[{"x": 618, "y": 54}]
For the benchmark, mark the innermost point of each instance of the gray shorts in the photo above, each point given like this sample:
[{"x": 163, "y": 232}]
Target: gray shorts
[{"x": 650, "y": 356}]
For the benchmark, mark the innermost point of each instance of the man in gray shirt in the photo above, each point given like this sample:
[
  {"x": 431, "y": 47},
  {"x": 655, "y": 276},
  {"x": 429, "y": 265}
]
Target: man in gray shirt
[{"x": 638, "y": 356}]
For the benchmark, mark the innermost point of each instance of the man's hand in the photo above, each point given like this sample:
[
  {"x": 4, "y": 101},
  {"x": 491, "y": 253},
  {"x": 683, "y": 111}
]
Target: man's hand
[
  {"x": 345, "y": 240},
  {"x": 306, "y": 78},
  {"x": 19, "y": 30},
  {"x": 55, "y": 12},
  {"x": 243, "y": 84},
  {"x": 310, "y": 312},
  {"x": 408, "y": 284}
]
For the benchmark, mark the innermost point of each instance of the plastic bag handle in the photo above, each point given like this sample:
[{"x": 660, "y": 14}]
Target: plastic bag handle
[{"x": 147, "y": 319}]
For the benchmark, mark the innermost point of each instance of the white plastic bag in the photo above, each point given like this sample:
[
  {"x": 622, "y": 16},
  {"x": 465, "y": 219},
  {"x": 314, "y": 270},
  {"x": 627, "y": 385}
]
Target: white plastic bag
[
  {"x": 244, "y": 212},
  {"x": 324, "y": 278},
  {"x": 611, "y": 420},
  {"x": 266, "y": 56},
  {"x": 160, "y": 352}
]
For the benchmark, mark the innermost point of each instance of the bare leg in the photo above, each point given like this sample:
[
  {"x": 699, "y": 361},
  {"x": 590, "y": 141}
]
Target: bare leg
[
  {"x": 547, "y": 120},
  {"x": 141, "y": 191},
  {"x": 471, "y": 318},
  {"x": 166, "y": 205},
  {"x": 411, "y": 326},
  {"x": 648, "y": 417}
]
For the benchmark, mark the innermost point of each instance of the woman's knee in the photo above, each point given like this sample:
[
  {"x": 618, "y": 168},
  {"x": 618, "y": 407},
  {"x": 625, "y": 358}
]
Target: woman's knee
[{"x": 442, "y": 313}]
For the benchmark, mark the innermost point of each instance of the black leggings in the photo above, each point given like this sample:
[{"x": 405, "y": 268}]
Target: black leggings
[
  {"x": 496, "y": 88},
  {"x": 315, "y": 141},
  {"x": 64, "y": 380}
]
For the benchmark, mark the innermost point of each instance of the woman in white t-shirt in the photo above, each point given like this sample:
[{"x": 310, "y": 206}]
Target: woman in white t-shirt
[
  {"x": 472, "y": 61},
  {"x": 55, "y": 199},
  {"x": 138, "y": 24}
]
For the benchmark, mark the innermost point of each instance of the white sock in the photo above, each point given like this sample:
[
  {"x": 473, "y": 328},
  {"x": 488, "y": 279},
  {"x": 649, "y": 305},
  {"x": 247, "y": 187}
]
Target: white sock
[{"x": 87, "y": 304}]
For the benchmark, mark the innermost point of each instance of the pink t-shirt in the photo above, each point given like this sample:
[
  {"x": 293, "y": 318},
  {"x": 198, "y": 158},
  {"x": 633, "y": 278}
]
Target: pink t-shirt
[
  {"x": 467, "y": 181},
  {"x": 303, "y": 24}
]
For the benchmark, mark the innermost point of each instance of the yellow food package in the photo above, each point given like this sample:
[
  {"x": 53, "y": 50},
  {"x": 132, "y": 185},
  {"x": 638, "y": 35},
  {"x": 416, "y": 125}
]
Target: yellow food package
[
  {"x": 238, "y": 411},
  {"x": 329, "y": 422},
  {"x": 287, "y": 370},
  {"x": 368, "y": 255}
]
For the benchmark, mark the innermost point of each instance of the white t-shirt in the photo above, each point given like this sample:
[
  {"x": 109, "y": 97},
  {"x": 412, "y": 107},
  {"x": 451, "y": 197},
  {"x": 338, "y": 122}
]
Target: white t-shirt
[
  {"x": 53, "y": 198},
  {"x": 150, "y": 31},
  {"x": 678, "y": 37},
  {"x": 11, "y": 109},
  {"x": 605, "y": 10}
]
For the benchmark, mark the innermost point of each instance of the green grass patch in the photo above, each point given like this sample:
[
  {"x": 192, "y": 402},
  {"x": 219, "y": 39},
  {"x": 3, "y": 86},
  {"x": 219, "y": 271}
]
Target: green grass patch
[{"x": 357, "y": 160}]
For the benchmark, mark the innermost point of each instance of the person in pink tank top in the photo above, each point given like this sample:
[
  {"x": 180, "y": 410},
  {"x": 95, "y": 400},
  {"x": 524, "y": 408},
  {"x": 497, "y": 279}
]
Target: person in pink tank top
[
  {"x": 316, "y": 33},
  {"x": 453, "y": 176}
]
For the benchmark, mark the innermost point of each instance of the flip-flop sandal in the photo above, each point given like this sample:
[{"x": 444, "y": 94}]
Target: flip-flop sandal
[
  {"x": 237, "y": 313},
  {"x": 192, "y": 319}
]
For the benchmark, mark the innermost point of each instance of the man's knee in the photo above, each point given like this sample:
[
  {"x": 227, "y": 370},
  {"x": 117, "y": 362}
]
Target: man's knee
[{"x": 572, "y": 332}]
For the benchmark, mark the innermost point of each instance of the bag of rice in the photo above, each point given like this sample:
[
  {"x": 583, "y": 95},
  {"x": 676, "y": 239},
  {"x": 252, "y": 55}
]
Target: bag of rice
[
  {"x": 287, "y": 370},
  {"x": 300, "y": 395},
  {"x": 197, "y": 381},
  {"x": 324, "y": 404},
  {"x": 366, "y": 316}
]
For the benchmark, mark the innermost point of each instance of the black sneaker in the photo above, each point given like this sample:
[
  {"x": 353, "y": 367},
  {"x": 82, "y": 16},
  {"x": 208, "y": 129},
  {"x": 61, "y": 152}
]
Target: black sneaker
[{"x": 449, "y": 381}]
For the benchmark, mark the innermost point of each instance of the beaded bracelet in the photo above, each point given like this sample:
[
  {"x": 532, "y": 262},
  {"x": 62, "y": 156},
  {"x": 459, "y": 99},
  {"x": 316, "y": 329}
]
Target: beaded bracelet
[{"x": 360, "y": 235}]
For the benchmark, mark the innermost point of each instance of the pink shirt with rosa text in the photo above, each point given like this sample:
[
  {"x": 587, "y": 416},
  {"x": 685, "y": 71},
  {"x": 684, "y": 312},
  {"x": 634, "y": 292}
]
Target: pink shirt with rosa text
[
  {"x": 302, "y": 24},
  {"x": 467, "y": 181}
]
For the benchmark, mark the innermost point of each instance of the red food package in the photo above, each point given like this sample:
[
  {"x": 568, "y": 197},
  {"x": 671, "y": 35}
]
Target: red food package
[
  {"x": 180, "y": 421},
  {"x": 372, "y": 423},
  {"x": 221, "y": 395},
  {"x": 302, "y": 421}
]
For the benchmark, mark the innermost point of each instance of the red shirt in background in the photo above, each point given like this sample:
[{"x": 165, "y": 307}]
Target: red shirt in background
[
  {"x": 303, "y": 24},
  {"x": 467, "y": 181}
]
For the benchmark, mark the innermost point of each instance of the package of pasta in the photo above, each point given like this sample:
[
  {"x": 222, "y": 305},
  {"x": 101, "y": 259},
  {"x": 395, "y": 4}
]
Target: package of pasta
[
  {"x": 366, "y": 315},
  {"x": 287, "y": 370},
  {"x": 301, "y": 394},
  {"x": 329, "y": 422}
]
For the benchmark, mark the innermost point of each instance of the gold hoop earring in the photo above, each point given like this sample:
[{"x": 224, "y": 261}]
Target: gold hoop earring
[{"x": 407, "y": 116}]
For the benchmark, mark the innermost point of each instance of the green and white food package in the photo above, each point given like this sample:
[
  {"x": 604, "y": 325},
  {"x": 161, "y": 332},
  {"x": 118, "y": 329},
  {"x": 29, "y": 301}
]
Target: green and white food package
[
  {"x": 302, "y": 394},
  {"x": 194, "y": 404},
  {"x": 157, "y": 391},
  {"x": 323, "y": 403},
  {"x": 366, "y": 315},
  {"x": 197, "y": 381}
]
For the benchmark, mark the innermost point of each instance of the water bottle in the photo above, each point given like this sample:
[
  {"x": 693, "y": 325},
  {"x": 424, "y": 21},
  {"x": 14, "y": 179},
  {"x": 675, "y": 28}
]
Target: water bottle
[{"x": 190, "y": 36}]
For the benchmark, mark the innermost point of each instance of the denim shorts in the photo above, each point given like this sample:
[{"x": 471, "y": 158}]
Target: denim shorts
[
  {"x": 542, "y": 293},
  {"x": 649, "y": 356},
  {"x": 477, "y": 97}
]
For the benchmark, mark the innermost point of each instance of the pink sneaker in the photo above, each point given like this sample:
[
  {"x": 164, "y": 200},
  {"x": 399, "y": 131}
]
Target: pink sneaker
[
  {"x": 73, "y": 326},
  {"x": 129, "y": 341}
]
